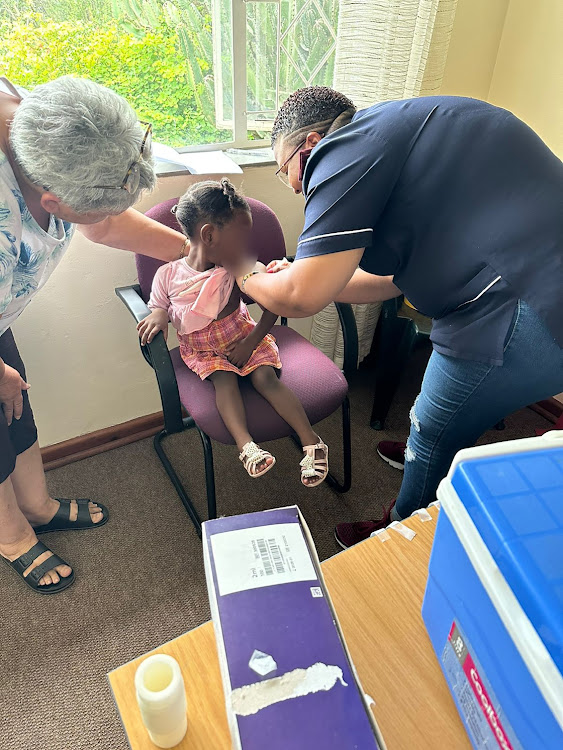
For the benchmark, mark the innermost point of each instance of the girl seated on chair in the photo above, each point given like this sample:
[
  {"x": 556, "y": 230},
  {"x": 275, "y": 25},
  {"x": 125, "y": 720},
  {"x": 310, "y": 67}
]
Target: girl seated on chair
[{"x": 218, "y": 338}]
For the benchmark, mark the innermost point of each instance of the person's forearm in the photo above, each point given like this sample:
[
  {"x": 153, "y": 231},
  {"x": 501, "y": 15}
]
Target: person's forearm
[
  {"x": 305, "y": 288},
  {"x": 366, "y": 287},
  {"x": 263, "y": 327},
  {"x": 276, "y": 291},
  {"x": 137, "y": 233},
  {"x": 2, "y": 368}
]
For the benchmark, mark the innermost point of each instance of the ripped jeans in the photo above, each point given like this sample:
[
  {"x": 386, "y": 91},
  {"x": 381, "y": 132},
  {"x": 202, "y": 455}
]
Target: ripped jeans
[{"x": 461, "y": 399}]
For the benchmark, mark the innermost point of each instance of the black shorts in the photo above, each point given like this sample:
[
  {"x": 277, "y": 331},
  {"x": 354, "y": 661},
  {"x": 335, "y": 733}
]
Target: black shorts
[{"x": 22, "y": 433}]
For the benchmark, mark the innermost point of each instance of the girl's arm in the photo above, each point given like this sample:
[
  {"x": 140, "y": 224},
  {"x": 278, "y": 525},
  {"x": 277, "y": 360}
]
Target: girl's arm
[
  {"x": 263, "y": 327},
  {"x": 239, "y": 354},
  {"x": 159, "y": 302},
  {"x": 134, "y": 231}
]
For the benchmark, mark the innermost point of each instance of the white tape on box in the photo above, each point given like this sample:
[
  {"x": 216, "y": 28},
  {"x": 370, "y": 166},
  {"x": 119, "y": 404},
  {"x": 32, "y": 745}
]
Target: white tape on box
[
  {"x": 381, "y": 534},
  {"x": 423, "y": 514},
  {"x": 402, "y": 530}
]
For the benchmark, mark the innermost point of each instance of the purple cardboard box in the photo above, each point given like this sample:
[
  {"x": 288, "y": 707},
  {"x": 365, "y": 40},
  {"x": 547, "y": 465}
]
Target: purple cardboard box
[{"x": 288, "y": 678}]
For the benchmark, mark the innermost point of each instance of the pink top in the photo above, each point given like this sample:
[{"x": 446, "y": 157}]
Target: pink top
[{"x": 193, "y": 299}]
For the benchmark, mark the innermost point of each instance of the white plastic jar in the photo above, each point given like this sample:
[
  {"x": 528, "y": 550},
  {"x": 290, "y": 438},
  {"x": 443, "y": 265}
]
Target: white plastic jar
[{"x": 161, "y": 696}]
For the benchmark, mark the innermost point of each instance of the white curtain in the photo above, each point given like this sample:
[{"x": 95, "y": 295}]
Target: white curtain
[{"x": 386, "y": 49}]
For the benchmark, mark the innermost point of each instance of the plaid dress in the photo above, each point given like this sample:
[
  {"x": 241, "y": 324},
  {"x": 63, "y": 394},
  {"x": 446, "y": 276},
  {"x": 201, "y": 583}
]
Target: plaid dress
[{"x": 203, "y": 351}]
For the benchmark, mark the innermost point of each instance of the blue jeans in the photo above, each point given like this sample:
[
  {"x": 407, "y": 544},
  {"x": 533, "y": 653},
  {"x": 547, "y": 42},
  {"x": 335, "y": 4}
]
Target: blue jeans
[{"x": 460, "y": 400}]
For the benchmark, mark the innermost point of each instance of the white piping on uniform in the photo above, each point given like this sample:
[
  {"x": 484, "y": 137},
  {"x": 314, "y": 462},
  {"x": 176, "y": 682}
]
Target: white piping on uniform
[
  {"x": 336, "y": 234},
  {"x": 486, "y": 289}
]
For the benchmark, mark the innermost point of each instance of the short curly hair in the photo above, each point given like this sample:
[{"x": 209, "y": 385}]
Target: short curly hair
[{"x": 317, "y": 108}]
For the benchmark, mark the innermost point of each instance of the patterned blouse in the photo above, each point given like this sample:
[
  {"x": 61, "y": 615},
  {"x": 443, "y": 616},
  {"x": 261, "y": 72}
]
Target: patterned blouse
[{"x": 28, "y": 254}]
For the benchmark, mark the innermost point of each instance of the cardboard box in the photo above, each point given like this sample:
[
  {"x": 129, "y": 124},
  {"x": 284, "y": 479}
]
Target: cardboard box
[{"x": 287, "y": 674}]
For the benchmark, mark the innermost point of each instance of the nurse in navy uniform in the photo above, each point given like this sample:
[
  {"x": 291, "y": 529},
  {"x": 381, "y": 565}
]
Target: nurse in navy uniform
[{"x": 458, "y": 205}]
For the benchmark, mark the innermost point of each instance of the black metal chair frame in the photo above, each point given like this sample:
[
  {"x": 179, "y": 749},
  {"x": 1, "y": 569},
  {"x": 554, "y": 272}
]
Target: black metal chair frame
[
  {"x": 158, "y": 357},
  {"x": 395, "y": 339}
]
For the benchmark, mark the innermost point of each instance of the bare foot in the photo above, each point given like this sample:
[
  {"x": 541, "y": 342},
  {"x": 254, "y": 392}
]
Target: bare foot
[
  {"x": 12, "y": 551},
  {"x": 44, "y": 514}
]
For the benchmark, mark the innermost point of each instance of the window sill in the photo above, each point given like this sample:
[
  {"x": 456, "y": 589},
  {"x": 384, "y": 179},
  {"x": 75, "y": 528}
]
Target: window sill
[{"x": 259, "y": 157}]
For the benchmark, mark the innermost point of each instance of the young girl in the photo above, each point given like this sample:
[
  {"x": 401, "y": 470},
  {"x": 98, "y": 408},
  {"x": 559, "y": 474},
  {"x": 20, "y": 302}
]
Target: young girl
[{"x": 218, "y": 338}]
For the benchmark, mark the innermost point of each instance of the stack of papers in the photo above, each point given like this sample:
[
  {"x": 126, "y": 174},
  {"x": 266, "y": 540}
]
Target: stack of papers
[{"x": 200, "y": 162}]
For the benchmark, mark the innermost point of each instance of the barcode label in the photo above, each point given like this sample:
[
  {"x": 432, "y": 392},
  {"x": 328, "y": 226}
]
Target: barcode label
[
  {"x": 271, "y": 556},
  {"x": 277, "y": 556},
  {"x": 261, "y": 556},
  {"x": 265, "y": 557}
]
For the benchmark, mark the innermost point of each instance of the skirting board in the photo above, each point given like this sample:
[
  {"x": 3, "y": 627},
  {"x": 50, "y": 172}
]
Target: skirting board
[{"x": 93, "y": 443}]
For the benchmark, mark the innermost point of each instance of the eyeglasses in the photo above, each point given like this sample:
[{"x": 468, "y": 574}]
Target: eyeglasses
[
  {"x": 283, "y": 176},
  {"x": 133, "y": 177}
]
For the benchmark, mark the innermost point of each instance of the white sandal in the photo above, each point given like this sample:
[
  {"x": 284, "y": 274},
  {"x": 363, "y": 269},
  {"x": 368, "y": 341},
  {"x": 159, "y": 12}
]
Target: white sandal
[
  {"x": 314, "y": 468},
  {"x": 251, "y": 456}
]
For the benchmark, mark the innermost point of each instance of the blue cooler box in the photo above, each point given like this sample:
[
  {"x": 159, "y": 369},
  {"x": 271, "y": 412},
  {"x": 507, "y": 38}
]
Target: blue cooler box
[{"x": 493, "y": 605}]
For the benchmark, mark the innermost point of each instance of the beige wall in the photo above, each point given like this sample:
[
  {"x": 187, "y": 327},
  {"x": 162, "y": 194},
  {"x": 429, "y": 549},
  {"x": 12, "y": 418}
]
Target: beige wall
[
  {"x": 528, "y": 75},
  {"x": 78, "y": 341},
  {"x": 473, "y": 47}
]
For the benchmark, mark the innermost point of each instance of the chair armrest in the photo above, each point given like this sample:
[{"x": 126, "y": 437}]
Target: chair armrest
[
  {"x": 349, "y": 337},
  {"x": 131, "y": 298},
  {"x": 157, "y": 355}
]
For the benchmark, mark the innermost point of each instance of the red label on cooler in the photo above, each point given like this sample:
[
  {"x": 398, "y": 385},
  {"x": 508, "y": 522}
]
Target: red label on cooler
[{"x": 484, "y": 704}]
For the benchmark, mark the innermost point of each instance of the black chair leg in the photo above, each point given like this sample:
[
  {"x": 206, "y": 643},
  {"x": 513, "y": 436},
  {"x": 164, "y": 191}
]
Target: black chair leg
[
  {"x": 175, "y": 479},
  {"x": 209, "y": 475},
  {"x": 395, "y": 346},
  {"x": 331, "y": 480}
]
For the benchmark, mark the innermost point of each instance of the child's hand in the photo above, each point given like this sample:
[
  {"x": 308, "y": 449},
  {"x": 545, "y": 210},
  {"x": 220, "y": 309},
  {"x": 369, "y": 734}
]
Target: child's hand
[
  {"x": 238, "y": 354},
  {"x": 277, "y": 265},
  {"x": 152, "y": 324}
]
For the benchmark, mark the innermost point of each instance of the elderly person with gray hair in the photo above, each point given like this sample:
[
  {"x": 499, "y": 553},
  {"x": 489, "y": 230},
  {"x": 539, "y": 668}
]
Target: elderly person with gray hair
[{"x": 71, "y": 153}]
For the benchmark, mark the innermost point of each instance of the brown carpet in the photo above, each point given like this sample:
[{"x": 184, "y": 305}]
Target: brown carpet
[{"x": 140, "y": 579}]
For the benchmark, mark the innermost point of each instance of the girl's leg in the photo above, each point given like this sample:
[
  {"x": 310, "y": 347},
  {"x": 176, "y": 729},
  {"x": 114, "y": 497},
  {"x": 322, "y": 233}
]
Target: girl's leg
[
  {"x": 231, "y": 408},
  {"x": 288, "y": 406},
  {"x": 284, "y": 401},
  {"x": 460, "y": 400}
]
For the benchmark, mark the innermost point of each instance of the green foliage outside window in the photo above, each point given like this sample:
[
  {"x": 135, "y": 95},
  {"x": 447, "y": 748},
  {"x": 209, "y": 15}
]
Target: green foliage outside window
[{"x": 146, "y": 66}]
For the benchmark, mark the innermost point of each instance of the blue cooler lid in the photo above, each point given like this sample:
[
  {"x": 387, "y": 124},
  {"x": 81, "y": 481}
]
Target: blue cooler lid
[{"x": 515, "y": 500}]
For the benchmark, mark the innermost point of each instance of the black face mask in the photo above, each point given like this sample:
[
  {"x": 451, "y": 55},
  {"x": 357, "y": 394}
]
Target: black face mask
[{"x": 303, "y": 158}]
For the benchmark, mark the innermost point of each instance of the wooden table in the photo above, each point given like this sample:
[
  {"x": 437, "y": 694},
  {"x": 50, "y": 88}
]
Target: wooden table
[{"x": 377, "y": 589}]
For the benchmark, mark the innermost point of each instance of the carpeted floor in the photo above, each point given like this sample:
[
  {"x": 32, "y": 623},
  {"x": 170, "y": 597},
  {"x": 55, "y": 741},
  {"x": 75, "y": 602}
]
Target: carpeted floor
[{"x": 140, "y": 579}]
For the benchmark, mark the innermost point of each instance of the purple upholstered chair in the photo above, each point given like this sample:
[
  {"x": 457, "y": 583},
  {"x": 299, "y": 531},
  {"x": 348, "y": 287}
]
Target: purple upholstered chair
[{"x": 319, "y": 384}]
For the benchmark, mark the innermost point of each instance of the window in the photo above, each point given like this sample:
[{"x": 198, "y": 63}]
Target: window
[{"x": 206, "y": 73}]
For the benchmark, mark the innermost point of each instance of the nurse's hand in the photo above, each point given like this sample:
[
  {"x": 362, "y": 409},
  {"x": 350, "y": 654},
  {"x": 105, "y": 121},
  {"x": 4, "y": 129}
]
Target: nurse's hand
[
  {"x": 12, "y": 386},
  {"x": 278, "y": 265}
]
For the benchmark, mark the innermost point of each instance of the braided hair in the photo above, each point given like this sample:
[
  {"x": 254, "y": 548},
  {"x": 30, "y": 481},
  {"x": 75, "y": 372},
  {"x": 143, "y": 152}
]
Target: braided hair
[
  {"x": 314, "y": 108},
  {"x": 208, "y": 202}
]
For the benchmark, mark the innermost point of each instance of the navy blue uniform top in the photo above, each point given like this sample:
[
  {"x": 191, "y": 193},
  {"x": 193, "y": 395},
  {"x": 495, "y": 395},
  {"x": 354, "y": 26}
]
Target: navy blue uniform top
[{"x": 459, "y": 200}]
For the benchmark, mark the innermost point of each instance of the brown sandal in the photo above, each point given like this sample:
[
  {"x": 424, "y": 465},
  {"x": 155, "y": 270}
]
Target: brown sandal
[
  {"x": 312, "y": 467},
  {"x": 252, "y": 455}
]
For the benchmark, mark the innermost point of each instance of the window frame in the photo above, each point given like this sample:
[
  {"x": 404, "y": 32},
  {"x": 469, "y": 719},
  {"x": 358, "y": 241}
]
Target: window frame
[{"x": 240, "y": 138}]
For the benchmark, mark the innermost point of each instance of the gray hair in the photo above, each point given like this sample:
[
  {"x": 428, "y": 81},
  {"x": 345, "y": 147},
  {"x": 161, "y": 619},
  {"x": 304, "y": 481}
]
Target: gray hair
[
  {"x": 315, "y": 108},
  {"x": 70, "y": 134}
]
